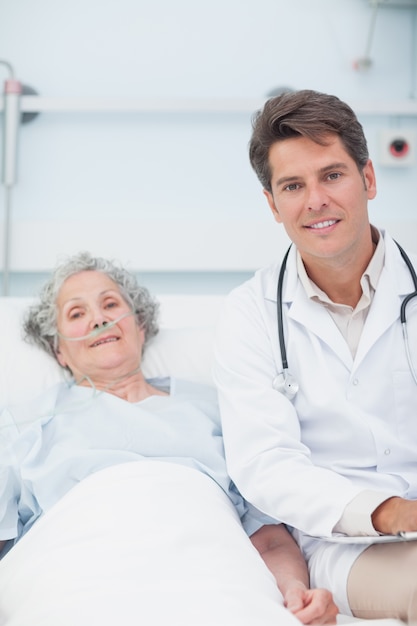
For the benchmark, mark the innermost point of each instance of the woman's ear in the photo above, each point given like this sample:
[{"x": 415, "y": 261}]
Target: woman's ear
[{"x": 60, "y": 358}]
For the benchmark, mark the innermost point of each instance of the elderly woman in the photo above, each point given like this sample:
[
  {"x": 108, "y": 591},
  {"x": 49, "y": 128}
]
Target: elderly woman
[{"x": 95, "y": 320}]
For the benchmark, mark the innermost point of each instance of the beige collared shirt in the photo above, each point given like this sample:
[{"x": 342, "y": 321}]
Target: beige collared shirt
[
  {"x": 349, "y": 320},
  {"x": 356, "y": 518}
]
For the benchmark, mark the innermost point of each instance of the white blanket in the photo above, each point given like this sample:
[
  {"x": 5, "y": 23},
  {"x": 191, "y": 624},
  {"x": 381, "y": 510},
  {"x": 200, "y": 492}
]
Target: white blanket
[{"x": 149, "y": 543}]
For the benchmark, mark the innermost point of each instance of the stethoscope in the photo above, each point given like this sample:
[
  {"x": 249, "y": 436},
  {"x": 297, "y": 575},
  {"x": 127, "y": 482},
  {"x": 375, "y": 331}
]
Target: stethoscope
[{"x": 285, "y": 382}]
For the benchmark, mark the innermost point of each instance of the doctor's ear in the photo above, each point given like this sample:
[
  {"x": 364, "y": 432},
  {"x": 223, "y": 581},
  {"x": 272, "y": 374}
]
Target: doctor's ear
[
  {"x": 369, "y": 180},
  {"x": 270, "y": 199}
]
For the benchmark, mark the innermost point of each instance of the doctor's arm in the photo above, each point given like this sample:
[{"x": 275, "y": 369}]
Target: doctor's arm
[
  {"x": 284, "y": 559},
  {"x": 261, "y": 428}
]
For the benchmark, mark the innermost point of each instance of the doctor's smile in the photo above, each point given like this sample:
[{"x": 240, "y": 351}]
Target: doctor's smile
[{"x": 322, "y": 225}]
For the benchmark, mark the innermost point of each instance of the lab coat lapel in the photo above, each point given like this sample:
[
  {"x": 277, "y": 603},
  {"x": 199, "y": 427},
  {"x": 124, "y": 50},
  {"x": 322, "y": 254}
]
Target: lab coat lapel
[
  {"x": 314, "y": 316},
  {"x": 385, "y": 309},
  {"x": 383, "y": 313}
]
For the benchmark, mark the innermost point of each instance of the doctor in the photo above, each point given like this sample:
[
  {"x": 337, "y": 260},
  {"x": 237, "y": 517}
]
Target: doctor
[{"x": 321, "y": 432}]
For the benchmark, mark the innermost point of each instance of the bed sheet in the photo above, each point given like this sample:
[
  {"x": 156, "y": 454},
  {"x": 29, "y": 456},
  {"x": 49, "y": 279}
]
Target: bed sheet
[{"x": 148, "y": 543}]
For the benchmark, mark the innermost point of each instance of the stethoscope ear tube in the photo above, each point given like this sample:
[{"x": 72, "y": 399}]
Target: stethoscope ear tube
[
  {"x": 284, "y": 382},
  {"x": 279, "y": 311},
  {"x": 414, "y": 277},
  {"x": 403, "y": 311}
]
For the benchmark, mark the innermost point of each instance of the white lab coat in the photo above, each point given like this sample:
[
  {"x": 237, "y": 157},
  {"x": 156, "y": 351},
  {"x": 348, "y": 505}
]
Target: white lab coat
[{"x": 352, "y": 425}]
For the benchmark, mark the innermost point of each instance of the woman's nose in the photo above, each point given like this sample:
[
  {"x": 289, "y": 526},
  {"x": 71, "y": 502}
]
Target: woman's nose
[
  {"x": 103, "y": 323},
  {"x": 97, "y": 317}
]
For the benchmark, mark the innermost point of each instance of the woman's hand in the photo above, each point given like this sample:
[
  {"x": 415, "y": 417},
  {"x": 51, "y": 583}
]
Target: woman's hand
[
  {"x": 311, "y": 606},
  {"x": 284, "y": 559}
]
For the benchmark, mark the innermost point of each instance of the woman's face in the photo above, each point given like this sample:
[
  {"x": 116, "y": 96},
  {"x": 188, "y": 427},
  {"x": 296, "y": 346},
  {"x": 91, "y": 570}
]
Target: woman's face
[{"x": 87, "y": 301}]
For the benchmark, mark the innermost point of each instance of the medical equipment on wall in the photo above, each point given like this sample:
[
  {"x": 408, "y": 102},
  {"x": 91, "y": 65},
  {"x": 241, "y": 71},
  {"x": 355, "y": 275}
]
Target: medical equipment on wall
[
  {"x": 12, "y": 117},
  {"x": 285, "y": 382}
]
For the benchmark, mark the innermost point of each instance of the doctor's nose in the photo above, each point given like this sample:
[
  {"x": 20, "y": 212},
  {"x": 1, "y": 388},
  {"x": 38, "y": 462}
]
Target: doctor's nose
[{"x": 316, "y": 198}]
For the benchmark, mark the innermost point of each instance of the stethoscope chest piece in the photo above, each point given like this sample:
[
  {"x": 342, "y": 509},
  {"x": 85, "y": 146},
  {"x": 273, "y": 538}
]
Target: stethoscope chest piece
[{"x": 286, "y": 384}]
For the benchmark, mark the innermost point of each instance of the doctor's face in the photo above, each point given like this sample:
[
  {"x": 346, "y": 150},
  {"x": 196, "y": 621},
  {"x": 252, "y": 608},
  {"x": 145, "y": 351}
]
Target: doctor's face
[{"x": 321, "y": 198}]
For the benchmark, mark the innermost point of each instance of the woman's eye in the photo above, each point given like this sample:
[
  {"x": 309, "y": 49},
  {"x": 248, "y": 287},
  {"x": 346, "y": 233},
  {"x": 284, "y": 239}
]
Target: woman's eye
[
  {"x": 110, "y": 304},
  {"x": 74, "y": 315}
]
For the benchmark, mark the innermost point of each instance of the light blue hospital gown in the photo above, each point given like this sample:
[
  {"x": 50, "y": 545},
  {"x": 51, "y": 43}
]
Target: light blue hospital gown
[{"x": 71, "y": 435}]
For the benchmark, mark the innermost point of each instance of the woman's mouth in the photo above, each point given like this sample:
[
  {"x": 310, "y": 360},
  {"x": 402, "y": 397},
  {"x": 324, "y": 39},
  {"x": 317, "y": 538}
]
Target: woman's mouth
[{"x": 104, "y": 340}]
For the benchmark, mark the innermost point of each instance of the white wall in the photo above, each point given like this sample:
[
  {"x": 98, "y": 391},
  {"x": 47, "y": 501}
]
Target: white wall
[{"x": 173, "y": 192}]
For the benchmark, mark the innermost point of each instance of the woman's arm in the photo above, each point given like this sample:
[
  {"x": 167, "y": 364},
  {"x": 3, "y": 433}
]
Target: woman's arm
[{"x": 284, "y": 559}]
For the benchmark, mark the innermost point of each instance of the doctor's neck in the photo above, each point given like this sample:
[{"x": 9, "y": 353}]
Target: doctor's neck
[{"x": 339, "y": 276}]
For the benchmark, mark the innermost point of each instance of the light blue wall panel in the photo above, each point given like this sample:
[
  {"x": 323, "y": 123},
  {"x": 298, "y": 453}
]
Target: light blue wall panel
[{"x": 182, "y": 171}]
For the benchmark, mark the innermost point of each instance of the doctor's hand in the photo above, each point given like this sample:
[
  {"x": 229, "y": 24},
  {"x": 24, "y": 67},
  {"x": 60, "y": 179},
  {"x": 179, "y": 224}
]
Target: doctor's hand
[
  {"x": 395, "y": 515},
  {"x": 311, "y": 606}
]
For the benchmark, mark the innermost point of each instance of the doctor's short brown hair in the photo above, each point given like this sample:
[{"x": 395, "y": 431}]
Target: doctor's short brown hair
[{"x": 304, "y": 113}]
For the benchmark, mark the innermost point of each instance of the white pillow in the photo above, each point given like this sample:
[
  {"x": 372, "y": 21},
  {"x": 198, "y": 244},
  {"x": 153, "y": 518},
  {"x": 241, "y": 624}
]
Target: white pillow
[
  {"x": 181, "y": 352},
  {"x": 25, "y": 370}
]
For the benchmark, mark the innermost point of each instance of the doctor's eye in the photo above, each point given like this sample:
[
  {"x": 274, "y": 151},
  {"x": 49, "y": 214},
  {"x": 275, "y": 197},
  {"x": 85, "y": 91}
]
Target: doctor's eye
[{"x": 292, "y": 187}]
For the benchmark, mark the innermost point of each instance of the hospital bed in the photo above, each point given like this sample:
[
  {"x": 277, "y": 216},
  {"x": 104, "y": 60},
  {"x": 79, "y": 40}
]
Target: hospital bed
[{"x": 162, "y": 557}]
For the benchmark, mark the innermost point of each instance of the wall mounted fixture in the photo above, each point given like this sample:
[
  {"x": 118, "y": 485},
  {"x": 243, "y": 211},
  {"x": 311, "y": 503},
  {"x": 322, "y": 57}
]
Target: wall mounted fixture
[
  {"x": 365, "y": 62},
  {"x": 397, "y": 147},
  {"x": 12, "y": 117},
  {"x": 395, "y": 4}
]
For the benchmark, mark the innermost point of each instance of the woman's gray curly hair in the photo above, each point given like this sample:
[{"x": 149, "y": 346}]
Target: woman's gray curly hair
[{"x": 40, "y": 323}]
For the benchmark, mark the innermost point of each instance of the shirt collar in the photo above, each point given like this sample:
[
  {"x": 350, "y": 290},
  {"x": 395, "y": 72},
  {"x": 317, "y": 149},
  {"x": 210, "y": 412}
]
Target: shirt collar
[{"x": 369, "y": 279}]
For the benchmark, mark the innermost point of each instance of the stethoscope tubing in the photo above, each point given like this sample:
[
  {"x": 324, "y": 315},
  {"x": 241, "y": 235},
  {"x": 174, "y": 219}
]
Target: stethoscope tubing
[
  {"x": 403, "y": 317},
  {"x": 414, "y": 277}
]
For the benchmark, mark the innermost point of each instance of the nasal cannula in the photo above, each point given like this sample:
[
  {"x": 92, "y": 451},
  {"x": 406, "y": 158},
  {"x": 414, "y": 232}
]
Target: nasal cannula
[{"x": 67, "y": 408}]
